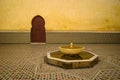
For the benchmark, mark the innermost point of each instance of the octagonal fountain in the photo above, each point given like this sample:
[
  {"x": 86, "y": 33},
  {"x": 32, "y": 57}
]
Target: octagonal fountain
[{"x": 71, "y": 56}]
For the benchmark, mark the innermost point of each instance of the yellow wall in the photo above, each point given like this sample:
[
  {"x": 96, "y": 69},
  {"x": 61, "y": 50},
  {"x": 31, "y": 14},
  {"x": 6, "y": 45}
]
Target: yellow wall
[{"x": 61, "y": 14}]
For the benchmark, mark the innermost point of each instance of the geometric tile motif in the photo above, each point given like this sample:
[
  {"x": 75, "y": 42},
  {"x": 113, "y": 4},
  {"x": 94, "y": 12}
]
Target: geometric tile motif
[
  {"x": 115, "y": 60},
  {"x": 108, "y": 74},
  {"x": 43, "y": 76},
  {"x": 56, "y": 76},
  {"x": 17, "y": 73}
]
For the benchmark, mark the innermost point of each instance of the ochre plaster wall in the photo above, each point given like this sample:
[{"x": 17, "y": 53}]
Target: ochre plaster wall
[{"x": 61, "y": 15}]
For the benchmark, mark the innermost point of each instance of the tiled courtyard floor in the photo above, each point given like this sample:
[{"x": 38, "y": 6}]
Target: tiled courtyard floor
[{"x": 26, "y": 62}]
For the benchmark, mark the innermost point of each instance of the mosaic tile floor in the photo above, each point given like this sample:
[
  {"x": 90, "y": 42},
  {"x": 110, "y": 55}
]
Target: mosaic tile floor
[{"x": 26, "y": 62}]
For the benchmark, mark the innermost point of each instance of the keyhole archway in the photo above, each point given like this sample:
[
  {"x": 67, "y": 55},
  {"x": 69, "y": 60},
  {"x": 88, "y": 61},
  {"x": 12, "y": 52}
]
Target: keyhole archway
[{"x": 38, "y": 32}]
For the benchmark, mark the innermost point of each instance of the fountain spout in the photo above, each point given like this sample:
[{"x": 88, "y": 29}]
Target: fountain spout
[{"x": 71, "y": 45}]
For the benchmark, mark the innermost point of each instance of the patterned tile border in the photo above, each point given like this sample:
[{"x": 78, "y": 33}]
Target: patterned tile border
[
  {"x": 107, "y": 74},
  {"x": 114, "y": 60}
]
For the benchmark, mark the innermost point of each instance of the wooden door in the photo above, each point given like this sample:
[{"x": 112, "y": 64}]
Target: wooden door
[{"x": 38, "y": 33}]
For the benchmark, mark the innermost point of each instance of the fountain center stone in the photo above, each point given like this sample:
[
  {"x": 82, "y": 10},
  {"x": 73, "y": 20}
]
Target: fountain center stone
[{"x": 72, "y": 49}]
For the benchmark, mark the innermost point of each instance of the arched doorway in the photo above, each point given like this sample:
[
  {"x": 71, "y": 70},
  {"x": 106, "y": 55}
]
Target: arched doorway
[{"x": 38, "y": 34}]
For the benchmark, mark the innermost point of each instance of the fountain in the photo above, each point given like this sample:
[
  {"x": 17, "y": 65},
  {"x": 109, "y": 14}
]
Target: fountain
[{"x": 71, "y": 57}]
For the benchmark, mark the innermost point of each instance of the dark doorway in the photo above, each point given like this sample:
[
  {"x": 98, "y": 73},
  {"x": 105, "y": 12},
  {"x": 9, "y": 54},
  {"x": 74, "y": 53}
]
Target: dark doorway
[{"x": 38, "y": 34}]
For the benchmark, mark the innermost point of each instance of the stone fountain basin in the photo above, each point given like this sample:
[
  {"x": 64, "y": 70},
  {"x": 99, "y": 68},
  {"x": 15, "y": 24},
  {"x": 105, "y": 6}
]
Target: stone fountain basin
[{"x": 68, "y": 61}]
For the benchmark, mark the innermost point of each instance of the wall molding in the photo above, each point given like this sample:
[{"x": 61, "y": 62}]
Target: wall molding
[{"x": 63, "y": 37}]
